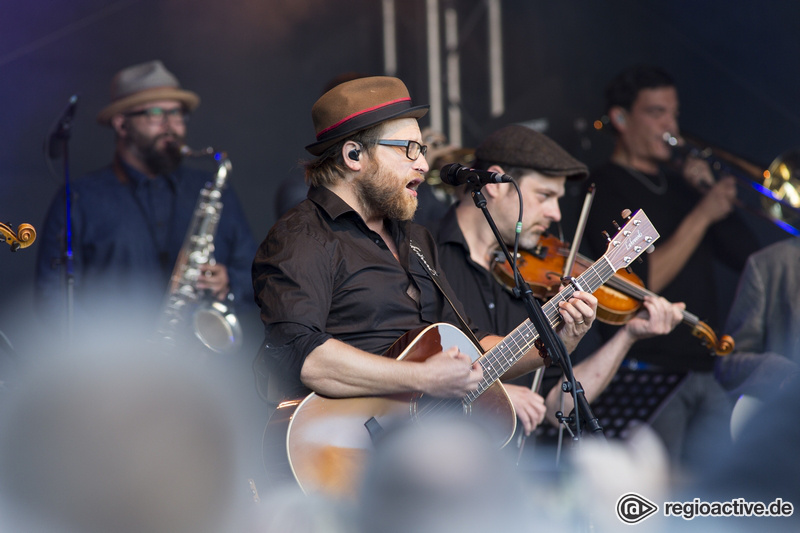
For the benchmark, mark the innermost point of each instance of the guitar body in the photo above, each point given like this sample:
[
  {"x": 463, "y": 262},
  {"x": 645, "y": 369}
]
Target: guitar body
[{"x": 329, "y": 440}]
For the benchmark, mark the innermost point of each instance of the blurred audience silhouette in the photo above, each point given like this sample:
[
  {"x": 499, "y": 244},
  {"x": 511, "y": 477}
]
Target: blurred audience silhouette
[{"x": 110, "y": 438}]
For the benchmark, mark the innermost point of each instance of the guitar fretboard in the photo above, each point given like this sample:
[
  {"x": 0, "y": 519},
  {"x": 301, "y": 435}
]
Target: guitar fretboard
[{"x": 508, "y": 351}]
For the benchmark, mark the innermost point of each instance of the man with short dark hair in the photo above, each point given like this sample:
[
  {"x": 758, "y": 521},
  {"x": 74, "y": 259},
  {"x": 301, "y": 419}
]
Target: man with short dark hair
[{"x": 694, "y": 215}]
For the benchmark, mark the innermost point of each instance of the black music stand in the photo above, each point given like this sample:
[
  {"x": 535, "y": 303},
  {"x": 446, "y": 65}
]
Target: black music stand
[{"x": 633, "y": 397}]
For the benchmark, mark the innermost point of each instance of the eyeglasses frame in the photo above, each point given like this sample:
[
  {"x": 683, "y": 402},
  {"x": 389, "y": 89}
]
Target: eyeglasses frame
[{"x": 423, "y": 148}]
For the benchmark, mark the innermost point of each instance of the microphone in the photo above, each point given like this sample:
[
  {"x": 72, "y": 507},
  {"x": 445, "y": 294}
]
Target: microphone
[
  {"x": 62, "y": 129},
  {"x": 455, "y": 174}
]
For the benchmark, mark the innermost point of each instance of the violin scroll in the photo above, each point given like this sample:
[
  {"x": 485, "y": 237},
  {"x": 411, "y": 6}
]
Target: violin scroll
[
  {"x": 722, "y": 346},
  {"x": 22, "y": 238},
  {"x": 725, "y": 345}
]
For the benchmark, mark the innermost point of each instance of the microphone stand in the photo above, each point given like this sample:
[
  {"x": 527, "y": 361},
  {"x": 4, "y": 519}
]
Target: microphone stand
[
  {"x": 552, "y": 343},
  {"x": 567, "y": 278},
  {"x": 58, "y": 145}
]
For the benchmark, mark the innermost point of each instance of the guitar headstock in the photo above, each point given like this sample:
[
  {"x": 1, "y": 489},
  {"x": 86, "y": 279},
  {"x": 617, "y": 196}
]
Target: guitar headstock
[{"x": 631, "y": 241}]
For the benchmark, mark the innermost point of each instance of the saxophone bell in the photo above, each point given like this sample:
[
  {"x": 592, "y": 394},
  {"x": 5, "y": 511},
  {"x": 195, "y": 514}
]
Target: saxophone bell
[
  {"x": 187, "y": 307},
  {"x": 216, "y": 326}
]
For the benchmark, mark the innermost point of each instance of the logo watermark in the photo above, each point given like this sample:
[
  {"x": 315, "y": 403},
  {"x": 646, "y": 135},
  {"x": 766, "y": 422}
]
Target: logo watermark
[
  {"x": 632, "y": 508},
  {"x": 736, "y": 507}
]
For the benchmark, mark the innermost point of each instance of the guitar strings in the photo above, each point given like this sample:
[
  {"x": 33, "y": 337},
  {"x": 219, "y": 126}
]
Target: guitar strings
[{"x": 503, "y": 356}]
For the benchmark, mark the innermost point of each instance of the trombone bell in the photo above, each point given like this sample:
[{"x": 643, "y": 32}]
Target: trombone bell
[
  {"x": 779, "y": 186},
  {"x": 782, "y": 180}
]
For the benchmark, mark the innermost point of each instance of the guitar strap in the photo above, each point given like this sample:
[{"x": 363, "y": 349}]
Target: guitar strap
[{"x": 435, "y": 278}]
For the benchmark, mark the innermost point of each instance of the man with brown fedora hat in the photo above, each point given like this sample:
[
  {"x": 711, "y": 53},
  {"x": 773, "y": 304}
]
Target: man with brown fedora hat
[
  {"x": 130, "y": 218},
  {"x": 467, "y": 244},
  {"x": 346, "y": 273}
]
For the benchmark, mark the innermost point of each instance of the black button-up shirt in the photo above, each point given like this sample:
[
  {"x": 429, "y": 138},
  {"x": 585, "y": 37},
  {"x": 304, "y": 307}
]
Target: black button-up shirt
[
  {"x": 489, "y": 304},
  {"x": 321, "y": 273}
]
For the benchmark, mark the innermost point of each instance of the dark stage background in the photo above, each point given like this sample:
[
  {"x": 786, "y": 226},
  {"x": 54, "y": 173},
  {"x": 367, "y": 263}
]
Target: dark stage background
[{"x": 259, "y": 66}]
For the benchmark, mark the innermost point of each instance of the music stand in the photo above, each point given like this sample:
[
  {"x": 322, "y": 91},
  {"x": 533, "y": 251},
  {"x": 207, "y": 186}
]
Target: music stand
[{"x": 633, "y": 397}]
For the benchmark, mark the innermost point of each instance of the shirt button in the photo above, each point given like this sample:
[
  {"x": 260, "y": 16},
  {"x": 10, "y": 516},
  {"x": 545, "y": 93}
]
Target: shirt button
[
  {"x": 491, "y": 305},
  {"x": 377, "y": 241}
]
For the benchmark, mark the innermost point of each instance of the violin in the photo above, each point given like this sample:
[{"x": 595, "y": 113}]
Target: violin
[
  {"x": 22, "y": 238},
  {"x": 618, "y": 300}
]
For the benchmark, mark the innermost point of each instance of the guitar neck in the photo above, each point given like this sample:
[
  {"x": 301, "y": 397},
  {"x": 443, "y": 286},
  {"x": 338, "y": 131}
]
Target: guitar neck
[{"x": 508, "y": 351}]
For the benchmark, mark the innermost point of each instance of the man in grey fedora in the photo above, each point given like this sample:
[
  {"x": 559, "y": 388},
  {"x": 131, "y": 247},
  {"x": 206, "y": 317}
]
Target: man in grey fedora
[{"x": 130, "y": 218}]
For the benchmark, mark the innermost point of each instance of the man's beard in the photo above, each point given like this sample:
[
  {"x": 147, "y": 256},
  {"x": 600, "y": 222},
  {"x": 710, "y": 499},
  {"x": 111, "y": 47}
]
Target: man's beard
[
  {"x": 158, "y": 162},
  {"x": 528, "y": 241},
  {"x": 378, "y": 191}
]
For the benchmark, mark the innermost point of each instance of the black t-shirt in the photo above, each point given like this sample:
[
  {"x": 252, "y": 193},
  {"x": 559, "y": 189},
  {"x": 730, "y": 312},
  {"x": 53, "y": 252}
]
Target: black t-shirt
[{"x": 729, "y": 242}]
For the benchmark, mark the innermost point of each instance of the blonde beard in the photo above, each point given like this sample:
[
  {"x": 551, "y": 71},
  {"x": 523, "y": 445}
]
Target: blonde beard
[{"x": 377, "y": 190}]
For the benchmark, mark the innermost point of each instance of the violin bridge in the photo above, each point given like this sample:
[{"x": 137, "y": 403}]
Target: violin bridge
[{"x": 540, "y": 252}]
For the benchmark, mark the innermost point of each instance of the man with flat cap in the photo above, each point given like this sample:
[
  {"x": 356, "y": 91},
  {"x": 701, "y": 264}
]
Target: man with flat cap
[
  {"x": 466, "y": 245},
  {"x": 344, "y": 274},
  {"x": 130, "y": 218}
]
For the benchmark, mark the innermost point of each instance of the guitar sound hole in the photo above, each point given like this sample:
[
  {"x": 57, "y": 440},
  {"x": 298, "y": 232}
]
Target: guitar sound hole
[{"x": 423, "y": 406}]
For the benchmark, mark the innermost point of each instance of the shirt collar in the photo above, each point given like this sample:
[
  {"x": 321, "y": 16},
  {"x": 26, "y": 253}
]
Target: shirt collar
[
  {"x": 449, "y": 230},
  {"x": 329, "y": 202},
  {"x": 335, "y": 207}
]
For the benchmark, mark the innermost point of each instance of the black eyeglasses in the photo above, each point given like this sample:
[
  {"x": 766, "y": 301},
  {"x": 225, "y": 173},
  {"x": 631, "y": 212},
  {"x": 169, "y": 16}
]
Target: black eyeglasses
[
  {"x": 413, "y": 148},
  {"x": 158, "y": 115}
]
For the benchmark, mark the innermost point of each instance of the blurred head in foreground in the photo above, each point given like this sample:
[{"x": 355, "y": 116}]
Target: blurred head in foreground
[
  {"x": 114, "y": 439},
  {"x": 439, "y": 475}
]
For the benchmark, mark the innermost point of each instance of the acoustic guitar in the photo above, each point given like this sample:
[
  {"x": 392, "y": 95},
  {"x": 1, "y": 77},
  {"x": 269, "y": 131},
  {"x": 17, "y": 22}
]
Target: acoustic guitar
[{"x": 325, "y": 443}]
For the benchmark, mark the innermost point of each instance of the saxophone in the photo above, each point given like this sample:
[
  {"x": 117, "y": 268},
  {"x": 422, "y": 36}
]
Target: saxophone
[{"x": 188, "y": 309}]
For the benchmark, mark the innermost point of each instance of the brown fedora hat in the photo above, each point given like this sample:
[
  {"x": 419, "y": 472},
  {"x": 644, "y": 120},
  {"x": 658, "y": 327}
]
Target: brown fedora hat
[
  {"x": 146, "y": 82},
  {"x": 356, "y": 105}
]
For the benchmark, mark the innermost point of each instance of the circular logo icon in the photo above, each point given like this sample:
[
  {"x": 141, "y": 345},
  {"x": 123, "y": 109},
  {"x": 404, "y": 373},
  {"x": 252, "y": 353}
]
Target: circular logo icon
[{"x": 633, "y": 508}]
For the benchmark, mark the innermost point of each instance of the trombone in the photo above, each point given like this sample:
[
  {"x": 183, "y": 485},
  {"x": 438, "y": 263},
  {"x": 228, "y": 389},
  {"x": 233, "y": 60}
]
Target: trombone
[{"x": 778, "y": 185}]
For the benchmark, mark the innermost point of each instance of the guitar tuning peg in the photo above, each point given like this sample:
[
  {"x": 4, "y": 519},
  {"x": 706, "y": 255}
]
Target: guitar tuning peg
[
  {"x": 606, "y": 235},
  {"x": 616, "y": 226},
  {"x": 626, "y": 214},
  {"x": 629, "y": 270}
]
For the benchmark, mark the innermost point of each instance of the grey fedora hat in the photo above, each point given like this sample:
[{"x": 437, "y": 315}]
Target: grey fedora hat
[{"x": 142, "y": 83}]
